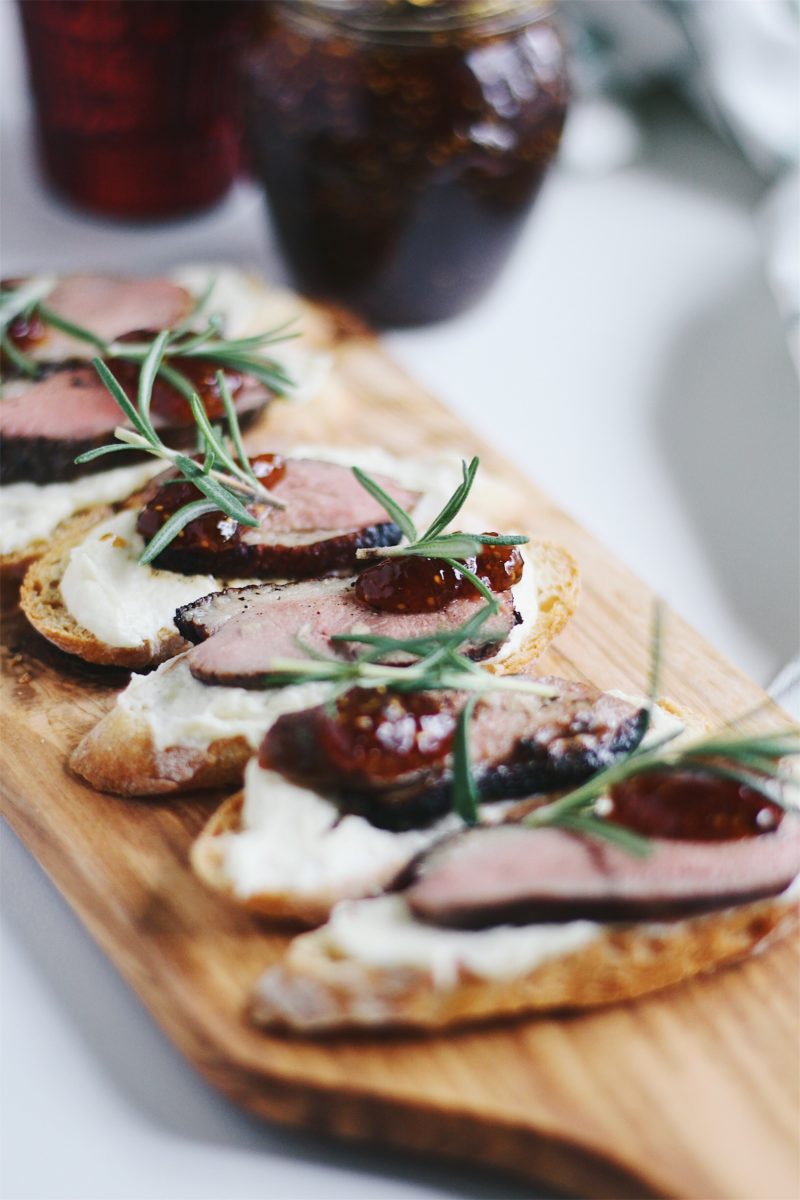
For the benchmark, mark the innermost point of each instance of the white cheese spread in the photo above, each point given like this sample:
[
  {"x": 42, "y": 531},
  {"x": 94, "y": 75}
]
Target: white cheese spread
[
  {"x": 292, "y": 840},
  {"x": 180, "y": 711},
  {"x": 29, "y": 512},
  {"x": 382, "y": 932},
  {"x": 111, "y": 594},
  {"x": 295, "y": 841}
]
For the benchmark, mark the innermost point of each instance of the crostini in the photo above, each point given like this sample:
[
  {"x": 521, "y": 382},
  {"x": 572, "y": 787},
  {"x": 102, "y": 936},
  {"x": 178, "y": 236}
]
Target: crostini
[{"x": 54, "y": 407}]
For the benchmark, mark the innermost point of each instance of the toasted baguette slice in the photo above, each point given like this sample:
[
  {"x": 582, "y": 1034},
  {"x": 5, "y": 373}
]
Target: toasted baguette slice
[
  {"x": 316, "y": 988},
  {"x": 41, "y": 601},
  {"x": 306, "y": 903},
  {"x": 207, "y": 862},
  {"x": 120, "y": 754}
]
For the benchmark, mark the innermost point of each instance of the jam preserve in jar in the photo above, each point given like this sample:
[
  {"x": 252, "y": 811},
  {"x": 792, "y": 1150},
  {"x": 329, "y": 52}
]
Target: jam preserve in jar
[{"x": 402, "y": 143}]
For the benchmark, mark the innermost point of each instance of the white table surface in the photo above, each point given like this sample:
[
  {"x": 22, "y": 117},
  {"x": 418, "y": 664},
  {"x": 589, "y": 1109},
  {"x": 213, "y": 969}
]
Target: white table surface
[{"x": 630, "y": 360}]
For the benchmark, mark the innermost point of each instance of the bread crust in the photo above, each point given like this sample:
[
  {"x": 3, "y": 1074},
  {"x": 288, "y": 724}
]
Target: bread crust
[
  {"x": 119, "y": 754},
  {"x": 313, "y": 991},
  {"x": 14, "y": 564},
  {"x": 40, "y": 600}
]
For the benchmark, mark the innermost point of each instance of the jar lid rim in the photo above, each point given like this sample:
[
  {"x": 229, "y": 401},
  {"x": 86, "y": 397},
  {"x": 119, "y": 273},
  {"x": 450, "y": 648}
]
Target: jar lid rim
[{"x": 419, "y": 18}]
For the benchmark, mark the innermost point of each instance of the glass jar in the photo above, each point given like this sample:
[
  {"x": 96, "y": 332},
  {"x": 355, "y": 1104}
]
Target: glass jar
[
  {"x": 136, "y": 100},
  {"x": 402, "y": 142}
]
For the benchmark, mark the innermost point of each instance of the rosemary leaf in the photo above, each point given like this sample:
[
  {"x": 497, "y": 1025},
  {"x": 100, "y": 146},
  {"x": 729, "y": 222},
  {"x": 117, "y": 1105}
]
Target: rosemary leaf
[
  {"x": 224, "y": 500},
  {"x": 500, "y": 539},
  {"x": 147, "y": 376},
  {"x": 455, "y": 503},
  {"x": 448, "y": 545},
  {"x": 79, "y": 332},
  {"x": 197, "y": 307},
  {"x": 265, "y": 370},
  {"x": 233, "y": 426},
  {"x": 111, "y": 448},
  {"x": 473, "y": 579},
  {"x": 397, "y": 513},
  {"x": 608, "y": 831},
  {"x": 176, "y": 379},
  {"x": 465, "y": 791},
  {"x": 427, "y": 643},
  {"x": 23, "y": 299},
  {"x": 207, "y": 430},
  {"x": 778, "y": 744},
  {"x": 119, "y": 394},
  {"x": 171, "y": 528}
]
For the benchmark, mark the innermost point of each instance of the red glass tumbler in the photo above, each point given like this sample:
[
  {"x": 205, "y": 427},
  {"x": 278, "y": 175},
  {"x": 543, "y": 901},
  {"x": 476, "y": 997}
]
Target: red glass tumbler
[{"x": 136, "y": 100}]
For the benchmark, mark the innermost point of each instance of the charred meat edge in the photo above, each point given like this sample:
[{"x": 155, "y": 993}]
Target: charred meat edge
[{"x": 426, "y": 795}]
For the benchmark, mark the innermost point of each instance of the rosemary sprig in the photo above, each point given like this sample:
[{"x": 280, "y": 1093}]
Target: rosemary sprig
[
  {"x": 438, "y": 664},
  {"x": 465, "y": 789},
  {"x": 224, "y": 490},
  {"x": 235, "y": 354},
  {"x": 752, "y": 760},
  {"x": 451, "y": 548}
]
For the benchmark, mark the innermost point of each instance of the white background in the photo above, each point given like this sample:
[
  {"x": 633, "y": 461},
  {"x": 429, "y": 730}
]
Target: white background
[{"x": 631, "y": 361}]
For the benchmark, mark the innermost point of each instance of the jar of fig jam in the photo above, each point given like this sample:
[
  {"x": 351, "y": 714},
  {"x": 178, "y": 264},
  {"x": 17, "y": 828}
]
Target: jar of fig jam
[{"x": 402, "y": 142}]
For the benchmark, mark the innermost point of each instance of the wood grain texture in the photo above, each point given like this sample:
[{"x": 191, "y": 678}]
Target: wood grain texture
[{"x": 694, "y": 1092}]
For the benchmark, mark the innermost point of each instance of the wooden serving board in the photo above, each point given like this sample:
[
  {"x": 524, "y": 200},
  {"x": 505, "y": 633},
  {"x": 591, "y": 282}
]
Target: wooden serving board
[{"x": 691, "y": 1093}]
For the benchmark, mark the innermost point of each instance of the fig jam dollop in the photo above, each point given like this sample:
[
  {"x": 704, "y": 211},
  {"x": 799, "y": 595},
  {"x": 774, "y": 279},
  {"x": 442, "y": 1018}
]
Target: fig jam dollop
[
  {"x": 381, "y": 734},
  {"x": 26, "y": 331},
  {"x": 499, "y": 567},
  {"x": 415, "y": 584},
  {"x": 214, "y": 530},
  {"x": 685, "y": 805}
]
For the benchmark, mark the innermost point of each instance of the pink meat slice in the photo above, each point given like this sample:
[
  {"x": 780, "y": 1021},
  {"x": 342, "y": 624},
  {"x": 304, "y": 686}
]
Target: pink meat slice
[
  {"x": 110, "y": 307},
  {"x": 517, "y": 875},
  {"x": 244, "y": 645},
  {"x": 71, "y": 404},
  {"x": 324, "y": 496}
]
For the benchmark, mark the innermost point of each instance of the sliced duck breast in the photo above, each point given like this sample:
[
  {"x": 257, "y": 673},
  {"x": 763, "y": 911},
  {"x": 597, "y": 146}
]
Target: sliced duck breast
[
  {"x": 44, "y": 427},
  {"x": 389, "y": 756},
  {"x": 516, "y": 875},
  {"x": 252, "y": 626},
  {"x": 106, "y": 306},
  {"x": 327, "y": 516}
]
